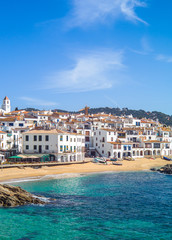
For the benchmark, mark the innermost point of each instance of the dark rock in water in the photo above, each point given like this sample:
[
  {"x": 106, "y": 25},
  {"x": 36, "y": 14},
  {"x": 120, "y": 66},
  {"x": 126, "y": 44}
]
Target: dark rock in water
[
  {"x": 153, "y": 169},
  {"x": 167, "y": 169},
  {"x": 11, "y": 196}
]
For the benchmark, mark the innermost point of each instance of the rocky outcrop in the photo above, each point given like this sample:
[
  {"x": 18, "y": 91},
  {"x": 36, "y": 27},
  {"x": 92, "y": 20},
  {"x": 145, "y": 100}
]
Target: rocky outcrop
[
  {"x": 167, "y": 169},
  {"x": 11, "y": 196}
]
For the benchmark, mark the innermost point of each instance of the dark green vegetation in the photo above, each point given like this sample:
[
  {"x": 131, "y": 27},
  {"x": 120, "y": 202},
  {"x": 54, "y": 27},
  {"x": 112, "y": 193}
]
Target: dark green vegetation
[{"x": 162, "y": 117}]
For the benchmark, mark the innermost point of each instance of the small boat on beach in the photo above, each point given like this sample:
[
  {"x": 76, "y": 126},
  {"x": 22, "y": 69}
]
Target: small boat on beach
[
  {"x": 117, "y": 163},
  {"x": 166, "y": 158},
  {"x": 99, "y": 160},
  {"x": 113, "y": 159}
]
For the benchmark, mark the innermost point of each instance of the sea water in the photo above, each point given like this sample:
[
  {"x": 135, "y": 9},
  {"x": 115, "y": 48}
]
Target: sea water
[{"x": 103, "y": 206}]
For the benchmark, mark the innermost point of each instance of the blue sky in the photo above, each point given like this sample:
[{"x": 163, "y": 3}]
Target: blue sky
[{"x": 68, "y": 53}]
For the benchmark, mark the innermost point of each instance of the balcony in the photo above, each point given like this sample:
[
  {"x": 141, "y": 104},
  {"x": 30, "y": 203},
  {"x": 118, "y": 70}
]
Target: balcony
[
  {"x": 137, "y": 146},
  {"x": 148, "y": 145}
]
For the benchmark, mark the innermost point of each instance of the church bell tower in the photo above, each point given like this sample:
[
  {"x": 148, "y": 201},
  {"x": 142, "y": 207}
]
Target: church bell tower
[{"x": 6, "y": 106}]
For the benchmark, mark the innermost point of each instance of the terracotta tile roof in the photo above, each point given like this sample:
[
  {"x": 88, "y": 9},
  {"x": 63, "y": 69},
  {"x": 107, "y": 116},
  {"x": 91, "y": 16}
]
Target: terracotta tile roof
[
  {"x": 155, "y": 141},
  {"x": 108, "y": 130},
  {"x": 8, "y": 119},
  {"x": 6, "y": 98},
  {"x": 50, "y": 131}
]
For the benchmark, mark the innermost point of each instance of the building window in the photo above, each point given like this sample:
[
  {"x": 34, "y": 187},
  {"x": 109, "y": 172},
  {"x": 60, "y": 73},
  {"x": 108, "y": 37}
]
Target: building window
[
  {"x": 27, "y": 147},
  {"x": 11, "y": 124},
  {"x": 61, "y": 148},
  {"x": 102, "y": 145},
  {"x": 74, "y": 139},
  {"x": 87, "y": 139},
  {"x": 61, "y": 138},
  {"x": 27, "y": 138},
  {"x": 74, "y": 149},
  {"x": 67, "y": 138},
  {"x": 67, "y": 148},
  {"x": 156, "y": 145},
  {"x": 40, "y": 138},
  {"x": 103, "y": 152},
  {"x": 71, "y": 148},
  {"x": 35, "y": 147},
  {"x": 112, "y": 139},
  {"x": 46, "y": 138},
  {"x": 34, "y": 138},
  {"x": 96, "y": 144},
  {"x": 71, "y": 139},
  {"x": 46, "y": 147},
  {"x": 20, "y": 124}
]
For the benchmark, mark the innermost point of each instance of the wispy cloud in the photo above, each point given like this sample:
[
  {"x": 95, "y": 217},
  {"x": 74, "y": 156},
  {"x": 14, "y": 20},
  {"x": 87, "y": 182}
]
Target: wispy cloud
[
  {"x": 145, "y": 49},
  {"x": 93, "y": 71},
  {"x": 146, "y": 45},
  {"x": 86, "y": 12},
  {"x": 164, "y": 58},
  {"x": 38, "y": 102}
]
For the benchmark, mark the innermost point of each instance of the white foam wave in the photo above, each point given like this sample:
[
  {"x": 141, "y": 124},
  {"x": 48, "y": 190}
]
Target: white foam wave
[
  {"x": 44, "y": 199},
  {"x": 62, "y": 176},
  {"x": 18, "y": 180}
]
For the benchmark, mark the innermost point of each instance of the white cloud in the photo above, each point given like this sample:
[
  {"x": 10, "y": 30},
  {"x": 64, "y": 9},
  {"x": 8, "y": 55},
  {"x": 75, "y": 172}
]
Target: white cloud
[
  {"x": 94, "y": 71},
  {"x": 146, "y": 45},
  {"x": 86, "y": 12},
  {"x": 37, "y": 102},
  {"x": 164, "y": 58},
  {"x": 145, "y": 49}
]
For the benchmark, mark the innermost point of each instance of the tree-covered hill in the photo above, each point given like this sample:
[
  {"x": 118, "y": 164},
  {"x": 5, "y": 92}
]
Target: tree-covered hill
[{"x": 162, "y": 117}]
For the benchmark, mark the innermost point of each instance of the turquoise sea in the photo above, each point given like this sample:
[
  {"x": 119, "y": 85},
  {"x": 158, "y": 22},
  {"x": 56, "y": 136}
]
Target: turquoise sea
[{"x": 133, "y": 205}]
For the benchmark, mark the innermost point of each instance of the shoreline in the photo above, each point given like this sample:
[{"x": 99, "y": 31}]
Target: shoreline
[{"x": 142, "y": 164}]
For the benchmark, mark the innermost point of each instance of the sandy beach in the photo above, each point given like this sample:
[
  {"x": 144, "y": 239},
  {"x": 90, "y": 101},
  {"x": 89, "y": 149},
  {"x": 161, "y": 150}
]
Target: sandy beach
[{"x": 137, "y": 165}]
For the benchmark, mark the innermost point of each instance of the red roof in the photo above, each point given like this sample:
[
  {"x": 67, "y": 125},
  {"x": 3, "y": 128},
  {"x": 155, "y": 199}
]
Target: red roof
[{"x": 6, "y": 98}]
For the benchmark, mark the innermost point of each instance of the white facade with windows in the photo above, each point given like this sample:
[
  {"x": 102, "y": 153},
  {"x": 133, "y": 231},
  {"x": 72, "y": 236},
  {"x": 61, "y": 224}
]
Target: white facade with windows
[
  {"x": 64, "y": 146},
  {"x": 129, "y": 143}
]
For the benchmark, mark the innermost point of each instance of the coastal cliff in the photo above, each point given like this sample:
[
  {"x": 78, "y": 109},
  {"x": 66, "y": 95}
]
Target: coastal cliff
[{"x": 11, "y": 196}]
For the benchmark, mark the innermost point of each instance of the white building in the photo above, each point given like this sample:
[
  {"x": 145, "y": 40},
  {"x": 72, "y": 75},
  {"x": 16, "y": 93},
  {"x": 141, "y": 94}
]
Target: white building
[
  {"x": 3, "y": 140},
  {"x": 129, "y": 143},
  {"x": 6, "y": 106},
  {"x": 64, "y": 146}
]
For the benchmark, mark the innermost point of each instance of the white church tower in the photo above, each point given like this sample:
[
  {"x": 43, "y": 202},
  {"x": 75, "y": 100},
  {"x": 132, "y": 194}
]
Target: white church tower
[{"x": 6, "y": 106}]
